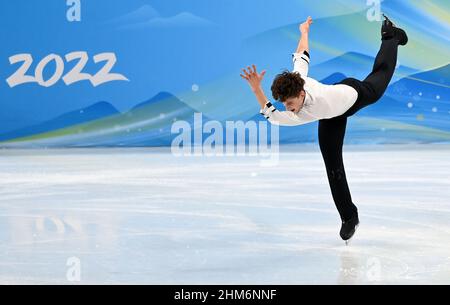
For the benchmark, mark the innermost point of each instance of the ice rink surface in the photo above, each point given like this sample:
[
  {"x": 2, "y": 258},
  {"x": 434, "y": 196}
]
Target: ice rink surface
[{"x": 140, "y": 216}]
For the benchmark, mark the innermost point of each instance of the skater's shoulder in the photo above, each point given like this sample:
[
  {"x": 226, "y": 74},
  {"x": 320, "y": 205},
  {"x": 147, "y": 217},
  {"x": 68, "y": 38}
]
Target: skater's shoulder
[{"x": 310, "y": 81}]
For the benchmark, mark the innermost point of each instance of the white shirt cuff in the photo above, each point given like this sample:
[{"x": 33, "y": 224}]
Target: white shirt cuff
[{"x": 267, "y": 110}]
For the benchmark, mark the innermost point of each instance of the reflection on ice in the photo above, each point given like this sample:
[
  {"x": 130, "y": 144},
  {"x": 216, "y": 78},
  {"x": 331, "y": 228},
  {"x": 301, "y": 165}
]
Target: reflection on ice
[{"x": 140, "y": 216}]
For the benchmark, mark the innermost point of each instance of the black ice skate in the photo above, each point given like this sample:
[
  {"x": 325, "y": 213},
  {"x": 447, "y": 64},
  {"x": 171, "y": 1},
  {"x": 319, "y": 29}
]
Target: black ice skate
[
  {"x": 348, "y": 228},
  {"x": 389, "y": 31}
]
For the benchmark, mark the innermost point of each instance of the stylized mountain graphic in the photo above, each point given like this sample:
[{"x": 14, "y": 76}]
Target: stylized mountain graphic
[
  {"x": 352, "y": 64},
  {"x": 368, "y": 130},
  {"x": 94, "y": 112},
  {"x": 147, "y": 124},
  {"x": 165, "y": 97},
  {"x": 333, "y": 78},
  {"x": 148, "y": 17},
  {"x": 433, "y": 84}
]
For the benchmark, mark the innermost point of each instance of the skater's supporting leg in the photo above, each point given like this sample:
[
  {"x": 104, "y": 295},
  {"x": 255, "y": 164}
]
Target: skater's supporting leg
[{"x": 331, "y": 140}]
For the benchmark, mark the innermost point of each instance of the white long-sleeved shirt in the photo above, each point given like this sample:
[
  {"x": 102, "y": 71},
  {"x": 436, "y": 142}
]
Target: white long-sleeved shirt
[{"x": 321, "y": 101}]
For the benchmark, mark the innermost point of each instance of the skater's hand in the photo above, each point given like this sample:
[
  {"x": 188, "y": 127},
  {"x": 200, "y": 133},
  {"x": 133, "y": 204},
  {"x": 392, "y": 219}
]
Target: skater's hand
[
  {"x": 253, "y": 78},
  {"x": 304, "y": 27}
]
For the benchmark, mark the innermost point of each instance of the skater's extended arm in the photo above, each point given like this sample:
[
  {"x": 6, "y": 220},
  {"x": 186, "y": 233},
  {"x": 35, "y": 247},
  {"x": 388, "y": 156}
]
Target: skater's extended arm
[
  {"x": 301, "y": 55},
  {"x": 254, "y": 80},
  {"x": 303, "y": 44}
]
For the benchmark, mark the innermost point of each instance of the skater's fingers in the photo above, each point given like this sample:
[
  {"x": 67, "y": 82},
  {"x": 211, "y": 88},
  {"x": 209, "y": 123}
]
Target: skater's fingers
[
  {"x": 263, "y": 73},
  {"x": 254, "y": 68},
  {"x": 249, "y": 70},
  {"x": 244, "y": 77},
  {"x": 245, "y": 72}
]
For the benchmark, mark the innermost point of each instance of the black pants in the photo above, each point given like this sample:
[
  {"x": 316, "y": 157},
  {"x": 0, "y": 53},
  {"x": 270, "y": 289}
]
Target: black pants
[{"x": 332, "y": 131}]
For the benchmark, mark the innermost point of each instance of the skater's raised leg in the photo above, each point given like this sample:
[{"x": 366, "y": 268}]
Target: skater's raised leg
[
  {"x": 385, "y": 61},
  {"x": 383, "y": 69},
  {"x": 372, "y": 88}
]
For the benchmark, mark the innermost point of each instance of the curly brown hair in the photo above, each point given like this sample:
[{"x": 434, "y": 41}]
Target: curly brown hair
[{"x": 286, "y": 85}]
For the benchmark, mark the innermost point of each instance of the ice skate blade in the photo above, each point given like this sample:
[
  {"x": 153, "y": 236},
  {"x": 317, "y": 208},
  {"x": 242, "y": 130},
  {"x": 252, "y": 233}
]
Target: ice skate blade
[
  {"x": 389, "y": 20},
  {"x": 347, "y": 242}
]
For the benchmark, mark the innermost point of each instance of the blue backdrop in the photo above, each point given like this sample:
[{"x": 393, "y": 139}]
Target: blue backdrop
[{"x": 120, "y": 73}]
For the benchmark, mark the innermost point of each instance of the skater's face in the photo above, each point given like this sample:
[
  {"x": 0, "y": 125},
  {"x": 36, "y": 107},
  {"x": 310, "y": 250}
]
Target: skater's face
[{"x": 294, "y": 104}]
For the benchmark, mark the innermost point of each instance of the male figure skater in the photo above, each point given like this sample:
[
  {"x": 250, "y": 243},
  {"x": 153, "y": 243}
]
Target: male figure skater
[{"x": 307, "y": 100}]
